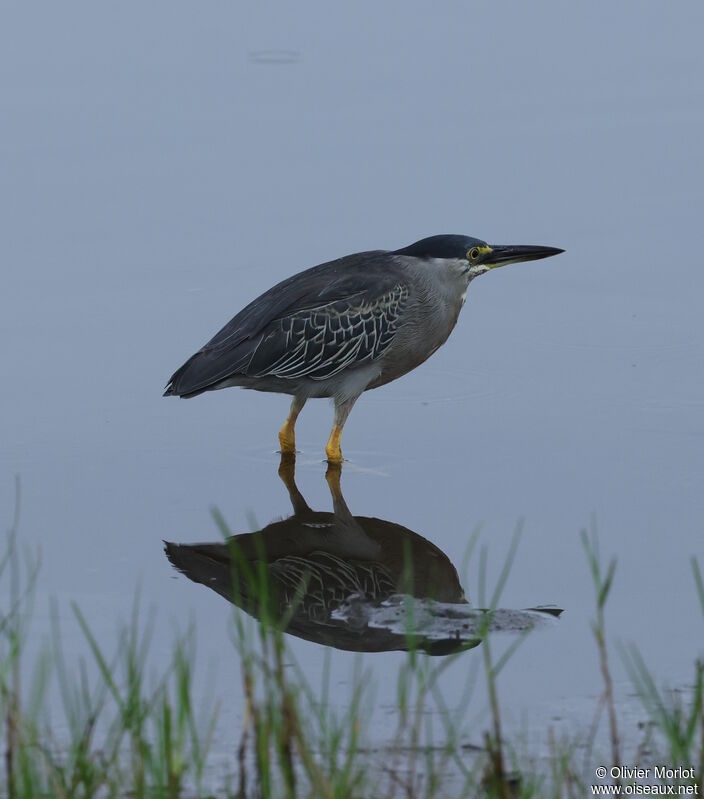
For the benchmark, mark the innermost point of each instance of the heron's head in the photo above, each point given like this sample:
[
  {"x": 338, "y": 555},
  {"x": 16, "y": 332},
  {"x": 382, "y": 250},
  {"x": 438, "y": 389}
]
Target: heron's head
[{"x": 474, "y": 257}]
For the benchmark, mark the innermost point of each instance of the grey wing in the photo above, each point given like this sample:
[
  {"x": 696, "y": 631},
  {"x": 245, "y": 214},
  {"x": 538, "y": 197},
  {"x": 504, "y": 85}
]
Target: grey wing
[
  {"x": 352, "y": 293},
  {"x": 319, "y": 343}
]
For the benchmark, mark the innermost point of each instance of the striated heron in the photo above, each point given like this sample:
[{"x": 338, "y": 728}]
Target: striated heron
[{"x": 346, "y": 326}]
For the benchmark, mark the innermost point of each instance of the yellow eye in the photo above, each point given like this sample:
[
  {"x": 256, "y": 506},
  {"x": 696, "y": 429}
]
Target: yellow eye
[{"x": 473, "y": 254}]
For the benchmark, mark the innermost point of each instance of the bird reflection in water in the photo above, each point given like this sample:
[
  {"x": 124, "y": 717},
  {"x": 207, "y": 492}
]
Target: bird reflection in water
[{"x": 351, "y": 582}]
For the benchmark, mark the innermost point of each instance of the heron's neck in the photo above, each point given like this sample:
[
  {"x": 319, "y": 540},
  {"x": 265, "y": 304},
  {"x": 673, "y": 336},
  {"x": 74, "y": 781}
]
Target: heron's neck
[
  {"x": 447, "y": 282},
  {"x": 460, "y": 270}
]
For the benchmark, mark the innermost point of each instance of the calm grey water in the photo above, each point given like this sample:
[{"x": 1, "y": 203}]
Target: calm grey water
[{"x": 160, "y": 166}]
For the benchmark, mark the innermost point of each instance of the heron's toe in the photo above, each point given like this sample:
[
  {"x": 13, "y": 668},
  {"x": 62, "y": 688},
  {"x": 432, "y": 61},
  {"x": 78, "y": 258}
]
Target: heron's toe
[
  {"x": 334, "y": 454},
  {"x": 287, "y": 439},
  {"x": 332, "y": 448}
]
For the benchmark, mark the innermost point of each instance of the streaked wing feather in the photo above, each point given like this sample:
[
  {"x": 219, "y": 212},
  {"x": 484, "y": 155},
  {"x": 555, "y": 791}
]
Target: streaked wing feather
[{"x": 319, "y": 343}]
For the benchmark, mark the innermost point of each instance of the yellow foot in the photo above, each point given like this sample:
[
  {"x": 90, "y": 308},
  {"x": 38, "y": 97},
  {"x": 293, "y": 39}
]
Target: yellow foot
[
  {"x": 332, "y": 448},
  {"x": 287, "y": 439}
]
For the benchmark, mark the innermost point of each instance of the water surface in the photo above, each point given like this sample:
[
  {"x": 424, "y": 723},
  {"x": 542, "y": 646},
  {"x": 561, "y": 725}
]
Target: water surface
[{"x": 158, "y": 176}]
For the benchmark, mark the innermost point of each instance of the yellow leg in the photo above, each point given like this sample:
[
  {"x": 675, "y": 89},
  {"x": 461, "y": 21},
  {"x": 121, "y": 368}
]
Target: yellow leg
[
  {"x": 342, "y": 411},
  {"x": 287, "y": 434},
  {"x": 332, "y": 448}
]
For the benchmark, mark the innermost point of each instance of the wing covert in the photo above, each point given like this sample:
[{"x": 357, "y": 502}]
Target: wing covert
[{"x": 318, "y": 343}]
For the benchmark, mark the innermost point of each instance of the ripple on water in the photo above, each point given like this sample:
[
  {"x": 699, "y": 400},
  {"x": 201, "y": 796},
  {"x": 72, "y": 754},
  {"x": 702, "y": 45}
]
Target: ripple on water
[{"x": 439, "y": 386}]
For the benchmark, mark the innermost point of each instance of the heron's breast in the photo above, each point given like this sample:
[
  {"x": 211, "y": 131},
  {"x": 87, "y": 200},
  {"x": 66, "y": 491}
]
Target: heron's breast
[{"x": 416, "y": 341}]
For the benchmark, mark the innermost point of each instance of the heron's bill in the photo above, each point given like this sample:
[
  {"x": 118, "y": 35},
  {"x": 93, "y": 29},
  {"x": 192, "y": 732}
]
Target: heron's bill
[{"x": 503, "y": 254}]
